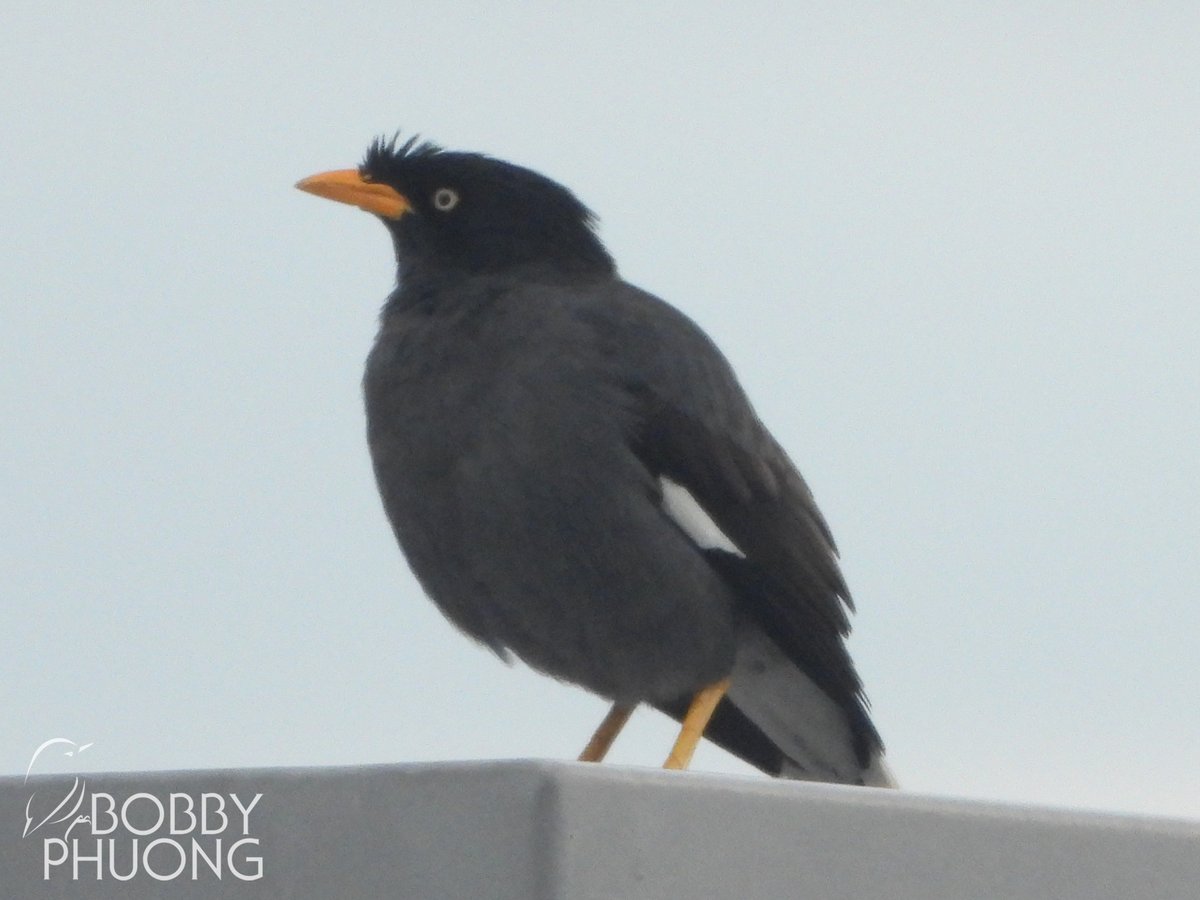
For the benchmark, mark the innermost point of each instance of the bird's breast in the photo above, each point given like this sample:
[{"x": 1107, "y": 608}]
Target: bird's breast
[{"x": 513, "y": 490}]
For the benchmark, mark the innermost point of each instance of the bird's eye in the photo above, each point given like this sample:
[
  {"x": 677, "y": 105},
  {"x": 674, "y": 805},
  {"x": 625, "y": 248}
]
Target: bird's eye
[{"x": 445, "y": 199}]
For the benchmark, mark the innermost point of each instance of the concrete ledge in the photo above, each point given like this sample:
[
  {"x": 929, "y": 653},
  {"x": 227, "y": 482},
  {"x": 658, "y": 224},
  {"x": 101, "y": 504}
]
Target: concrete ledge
[{"x": 553, "y": 831}]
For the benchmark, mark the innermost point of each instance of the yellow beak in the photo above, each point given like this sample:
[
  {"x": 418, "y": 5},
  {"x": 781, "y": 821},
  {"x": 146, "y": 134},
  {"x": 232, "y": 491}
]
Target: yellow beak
[{"x": 347, "y": 186}]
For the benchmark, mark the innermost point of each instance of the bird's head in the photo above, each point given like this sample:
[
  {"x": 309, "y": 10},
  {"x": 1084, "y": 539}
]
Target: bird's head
[{"x": 467, "y": 212}]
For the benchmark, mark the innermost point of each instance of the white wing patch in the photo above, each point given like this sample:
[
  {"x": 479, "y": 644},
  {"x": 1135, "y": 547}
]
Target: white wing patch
[{"x": 689, "y": 515}]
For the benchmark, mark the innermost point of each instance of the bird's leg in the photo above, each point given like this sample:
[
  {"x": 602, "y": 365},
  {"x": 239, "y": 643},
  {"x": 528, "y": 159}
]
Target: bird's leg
[
  {"x": 607, "y": 733},
  {"x": 703, "y": 705}
]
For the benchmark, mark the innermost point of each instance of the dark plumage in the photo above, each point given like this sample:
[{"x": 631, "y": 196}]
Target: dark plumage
[{"x": 556, "y": 451}]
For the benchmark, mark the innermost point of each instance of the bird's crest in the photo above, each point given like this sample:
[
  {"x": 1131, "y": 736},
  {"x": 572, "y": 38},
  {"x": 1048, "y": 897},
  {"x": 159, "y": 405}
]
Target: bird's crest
[{"x": 390, "y": 151}]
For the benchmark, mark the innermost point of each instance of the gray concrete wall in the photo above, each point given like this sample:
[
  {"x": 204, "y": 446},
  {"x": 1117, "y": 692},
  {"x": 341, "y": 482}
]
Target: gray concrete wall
[{"x": 553, "y": 831}]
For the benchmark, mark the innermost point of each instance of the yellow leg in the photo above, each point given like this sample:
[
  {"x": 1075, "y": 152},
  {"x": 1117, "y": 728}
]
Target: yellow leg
[
  {"x": 694, "y": 723},
  {"x": 607, "y": 733}
]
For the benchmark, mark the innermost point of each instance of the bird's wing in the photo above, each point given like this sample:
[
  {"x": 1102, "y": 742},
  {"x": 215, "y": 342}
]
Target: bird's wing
[
  {"x": 788, "y": 574},
  {"x": 696, "y": 428}
]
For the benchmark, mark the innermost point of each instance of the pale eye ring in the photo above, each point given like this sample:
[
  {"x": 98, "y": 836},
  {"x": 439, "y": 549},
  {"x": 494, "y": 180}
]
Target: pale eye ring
[{"x": 445, "y": 199}]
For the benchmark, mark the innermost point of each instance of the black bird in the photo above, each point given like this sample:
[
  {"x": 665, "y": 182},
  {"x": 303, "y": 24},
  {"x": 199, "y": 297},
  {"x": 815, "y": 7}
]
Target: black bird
[{"x": 576, "y": 476}]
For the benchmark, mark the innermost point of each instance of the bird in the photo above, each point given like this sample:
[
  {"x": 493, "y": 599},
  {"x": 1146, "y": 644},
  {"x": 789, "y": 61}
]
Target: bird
[{"x": 577, "y": 478}]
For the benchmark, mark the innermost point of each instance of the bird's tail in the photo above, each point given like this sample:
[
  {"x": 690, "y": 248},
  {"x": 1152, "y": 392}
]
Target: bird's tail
[
  {"x": 798, "y": 714},
  {"x": 879, "y": 774},
  {"x": 816, "y": 738}
]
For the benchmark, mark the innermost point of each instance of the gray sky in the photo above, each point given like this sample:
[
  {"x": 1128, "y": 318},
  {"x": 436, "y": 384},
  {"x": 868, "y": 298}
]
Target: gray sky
[{"x": 951, "y": 251}]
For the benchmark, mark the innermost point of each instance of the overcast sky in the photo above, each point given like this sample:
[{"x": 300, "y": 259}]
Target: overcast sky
[{"x": 951, "y": 250}]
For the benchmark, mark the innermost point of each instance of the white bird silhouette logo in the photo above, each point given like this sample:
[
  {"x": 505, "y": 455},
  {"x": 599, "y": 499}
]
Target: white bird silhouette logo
[{"x": 69, "y": 805}]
